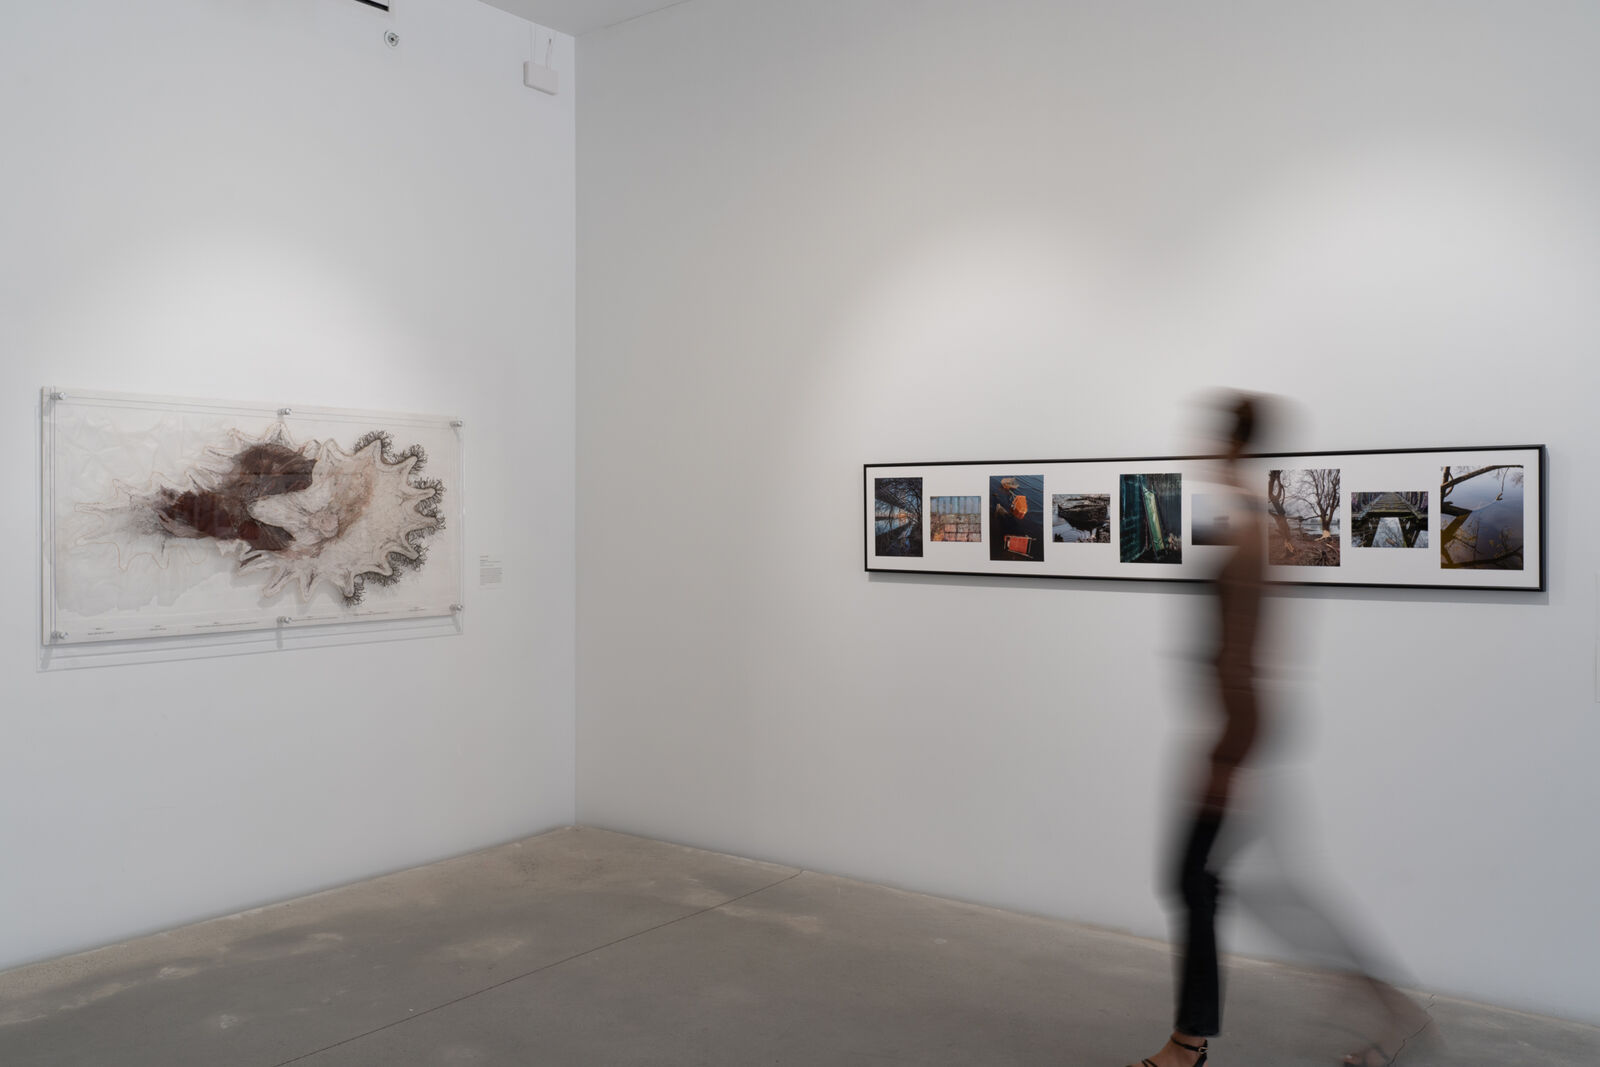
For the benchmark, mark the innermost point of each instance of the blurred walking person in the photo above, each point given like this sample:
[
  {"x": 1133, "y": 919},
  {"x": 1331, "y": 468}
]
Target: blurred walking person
[{"x": 1214, "y": 829}]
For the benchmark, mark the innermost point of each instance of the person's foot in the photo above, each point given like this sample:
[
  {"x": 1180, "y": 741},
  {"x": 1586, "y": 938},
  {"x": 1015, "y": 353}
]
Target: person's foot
[{"x": 1179, "y": 1051}]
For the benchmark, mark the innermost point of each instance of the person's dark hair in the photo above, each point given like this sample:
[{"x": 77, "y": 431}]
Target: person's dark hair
[{"x": 1244, "y": 421}]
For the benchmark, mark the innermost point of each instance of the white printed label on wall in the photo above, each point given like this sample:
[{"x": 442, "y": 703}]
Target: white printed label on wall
[{"x": 490, "y": 572}]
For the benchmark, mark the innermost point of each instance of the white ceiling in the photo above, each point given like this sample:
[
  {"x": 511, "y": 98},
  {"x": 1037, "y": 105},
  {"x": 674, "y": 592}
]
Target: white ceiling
[{"x": 580, "y": 16}]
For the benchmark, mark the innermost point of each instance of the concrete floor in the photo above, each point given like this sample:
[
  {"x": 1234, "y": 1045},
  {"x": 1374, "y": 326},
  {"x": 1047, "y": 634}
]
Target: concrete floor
[{"x": 587, "y": 947}]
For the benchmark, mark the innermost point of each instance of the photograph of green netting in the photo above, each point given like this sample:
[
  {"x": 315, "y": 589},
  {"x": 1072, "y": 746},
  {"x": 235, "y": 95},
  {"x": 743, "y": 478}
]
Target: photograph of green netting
[
  {"x": 1484, "y": 510},
  {"x": 955, "y": 518},
  {"x": 1389, "y": 520},
  {"x": 1152, "y": 518}
]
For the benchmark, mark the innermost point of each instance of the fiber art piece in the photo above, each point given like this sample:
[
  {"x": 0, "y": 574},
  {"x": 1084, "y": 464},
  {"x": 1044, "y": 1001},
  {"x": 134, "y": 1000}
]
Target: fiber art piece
[{"x": 170, "y": 517}]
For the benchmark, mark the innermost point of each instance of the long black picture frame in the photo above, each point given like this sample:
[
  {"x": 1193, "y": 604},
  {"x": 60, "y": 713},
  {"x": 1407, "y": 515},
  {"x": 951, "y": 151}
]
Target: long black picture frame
[{"x": 1438, "y": 518}]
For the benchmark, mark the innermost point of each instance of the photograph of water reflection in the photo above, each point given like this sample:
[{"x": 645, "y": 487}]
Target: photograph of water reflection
[
  {"x": 1483, "y": 506},
  {"x": 1389, "y": 520},
  {"x": 899, "y": 516}
]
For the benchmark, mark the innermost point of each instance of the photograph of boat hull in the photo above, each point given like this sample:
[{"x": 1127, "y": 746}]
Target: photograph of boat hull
[
  {"x": 898, "y": 525},
  {"x": 1152, "y": 518},
  {"x": 1078, "y": 518},
  {"x": 1303, "y": 517},
  {"x": 1389, "y": 520},
  {"x": 1481, "y": 511},
  {"x": 1016, "y": 517},
  {"x": 955, "y": 518}
]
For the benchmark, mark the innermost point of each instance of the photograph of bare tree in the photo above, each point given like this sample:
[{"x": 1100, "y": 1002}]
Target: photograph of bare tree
[
  {"x": 1303, "y": 506},
  {"x": 955, "y": 518},
  {"x": 1483, "y": 506},
  {"x": 899, "y": 516},
  {"x": 1081, "y": 519},
  {"x": 1389, "y": 520},
  {"x": 1016, "y": 517},
  {"x": 1152, "y": 518}
]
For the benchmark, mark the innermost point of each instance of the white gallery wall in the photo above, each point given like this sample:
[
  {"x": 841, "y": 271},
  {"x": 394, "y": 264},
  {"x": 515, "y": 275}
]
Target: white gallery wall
[
  {"x": 817, "y": 235},
  {"x": 264, "y": 202}
]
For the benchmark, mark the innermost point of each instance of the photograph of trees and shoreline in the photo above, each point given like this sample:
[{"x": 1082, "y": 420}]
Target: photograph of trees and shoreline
[
  {"x": 1389, "y": 520},
  {"x": 1078, "y": 518},
  {"x": 1303, "y": 513},
  {"x": 1152, "y": 518},
  {"x": 955, "y": 518},
  {"x": 1481, "y": 508},
  {"x": 898, "y": 516},
  {"x": 1016, "y": 517}
]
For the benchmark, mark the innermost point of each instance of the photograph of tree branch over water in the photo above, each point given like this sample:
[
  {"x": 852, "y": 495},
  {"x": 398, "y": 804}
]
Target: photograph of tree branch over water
[
  {"x": 1389, "y": 520},
  {"x": 1016, "y": 517},
  {"x": 1303, "y": 514},
  {"x": 1077, "y": 518},
  {"x": 1481, "y": 508},
  {"x": 955, "y": 518},
  {"x": 1152, "y": 518},
  {"x": 899, "y": 516}
]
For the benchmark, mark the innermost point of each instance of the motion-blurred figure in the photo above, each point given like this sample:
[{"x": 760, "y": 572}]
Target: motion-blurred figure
[{"x": 1216, "y": 828}]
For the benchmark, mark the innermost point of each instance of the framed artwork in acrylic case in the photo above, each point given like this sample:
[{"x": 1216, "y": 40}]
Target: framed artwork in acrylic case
[{"x": 165, "y": 517}]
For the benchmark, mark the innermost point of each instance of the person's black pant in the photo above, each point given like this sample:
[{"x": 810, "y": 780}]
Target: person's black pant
[{"x": 1199, "y": 980}]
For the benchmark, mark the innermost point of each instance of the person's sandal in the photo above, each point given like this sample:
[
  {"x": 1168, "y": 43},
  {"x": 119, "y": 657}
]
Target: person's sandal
[
  {"x": 1364, "y": 1058},
  {"x": 1200, "y": 1048}
]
